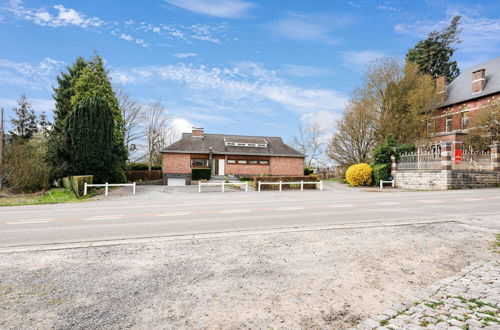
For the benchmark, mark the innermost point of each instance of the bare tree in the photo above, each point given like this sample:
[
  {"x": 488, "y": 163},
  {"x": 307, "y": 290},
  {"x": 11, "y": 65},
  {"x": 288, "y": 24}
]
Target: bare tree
[
  {"x": 157, "y": 133},
  {"x": 134, "y": 117},
  {"x": 354, "y": 139},
  {"x": 309, "y": 141}
]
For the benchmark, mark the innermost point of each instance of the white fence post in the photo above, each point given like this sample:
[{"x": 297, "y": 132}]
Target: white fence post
[
  {"x": 281, "y": 185},
  {"x": 222, "y": 186},
  {"x": 381, "y": 184},
  {"x": 321, "y": 185},
  {"x": 84, "y": 188},
  {"x": 301, "y": 185},
  {"x": 133, "y": 189},
  {"x": 199, "y": 186},
  {"x": 246, "y": 186},
  {"x": 393, "y": 183},
  {"x": 106, "y": 189},
  {"x": 259, "y": 186}
]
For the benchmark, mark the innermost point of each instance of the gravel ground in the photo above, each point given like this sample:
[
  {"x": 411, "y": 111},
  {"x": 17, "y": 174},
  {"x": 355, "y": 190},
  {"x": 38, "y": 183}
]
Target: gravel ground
[{"x": 315, "y": 279}]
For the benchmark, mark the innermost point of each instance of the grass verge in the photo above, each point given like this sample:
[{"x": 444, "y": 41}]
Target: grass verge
[{"x": 52, "y": 196}]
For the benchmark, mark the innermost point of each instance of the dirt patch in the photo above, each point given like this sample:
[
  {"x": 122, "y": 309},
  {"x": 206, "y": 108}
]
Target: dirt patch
[{"x": 311, "y": 280}]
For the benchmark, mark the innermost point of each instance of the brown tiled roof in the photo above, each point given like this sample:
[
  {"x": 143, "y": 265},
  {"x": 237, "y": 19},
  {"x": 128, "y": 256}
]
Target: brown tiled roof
[{"x": 190, "y": 144}]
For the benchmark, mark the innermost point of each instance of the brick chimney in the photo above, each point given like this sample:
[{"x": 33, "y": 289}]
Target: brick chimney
[
  {"x": 441, "y": 83},
  {"x": 197, "y": 132},
  {"x": 478, "y": 81}
]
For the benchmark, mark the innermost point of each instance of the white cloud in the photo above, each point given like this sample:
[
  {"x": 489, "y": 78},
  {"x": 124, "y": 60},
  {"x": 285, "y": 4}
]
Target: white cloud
[
  {"x": 357, "y": 60},
  {"x": 217, "y": 8},
  {"x": 247, "y": 85},
  {"x": 56, "y": 16},
  {"x": 127, "y": 37},
  {"x": 308, "y": 27},
  {"x": 179, "y": 126},
  {"x": 37, "y": 76},
  {"x": 185, "y": 55},
  {"x": 480, "y": 35}
]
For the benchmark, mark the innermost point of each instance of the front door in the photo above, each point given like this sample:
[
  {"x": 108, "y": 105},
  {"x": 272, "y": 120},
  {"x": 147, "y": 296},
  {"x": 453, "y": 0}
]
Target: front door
[{"x": 221, "y": 167}]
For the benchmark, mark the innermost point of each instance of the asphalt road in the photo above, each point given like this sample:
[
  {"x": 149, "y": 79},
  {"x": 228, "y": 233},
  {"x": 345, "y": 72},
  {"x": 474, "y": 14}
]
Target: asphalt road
[{"x": 154, "y": 214}]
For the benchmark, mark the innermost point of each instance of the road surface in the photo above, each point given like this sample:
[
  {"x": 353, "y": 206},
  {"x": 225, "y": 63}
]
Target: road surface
[{"x": 173, "y": 215}]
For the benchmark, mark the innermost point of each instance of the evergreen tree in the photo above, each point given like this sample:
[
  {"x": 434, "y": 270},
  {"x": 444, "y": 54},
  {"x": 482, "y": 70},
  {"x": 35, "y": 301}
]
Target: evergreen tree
[
  {"x": 25, "y": 122},
  {"x": 43, "y": 122},
  {"x": 433, "y": 55},
  {"x": 90, "y": 128},
  {"x": 57, "y": 151}
]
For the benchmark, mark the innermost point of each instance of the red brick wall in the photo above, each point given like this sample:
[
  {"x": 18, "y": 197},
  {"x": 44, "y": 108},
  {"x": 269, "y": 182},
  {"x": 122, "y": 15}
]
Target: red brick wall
[
  {"x": 177, "y": 163},
  {"x": 247, "y": 169},
  {"x": 287, "y": 166}
]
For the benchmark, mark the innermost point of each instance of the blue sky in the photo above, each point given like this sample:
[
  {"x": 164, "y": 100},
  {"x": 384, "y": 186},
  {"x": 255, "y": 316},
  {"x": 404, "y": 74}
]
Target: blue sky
[{"x": 231, "y": 66}]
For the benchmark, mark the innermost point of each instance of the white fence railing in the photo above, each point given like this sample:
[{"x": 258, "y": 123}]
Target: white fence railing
[
  {"x": 473, "y": 162},
  {"x": 107, "y": 185},
  {"x": 420, "y": 161},
  {"x": 302, "y": 183},
  {"x": 222, "y": 184}
]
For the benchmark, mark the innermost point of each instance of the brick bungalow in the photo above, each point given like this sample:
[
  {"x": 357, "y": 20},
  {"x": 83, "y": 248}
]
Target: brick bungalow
[
  {"x": 473, "y": 90},
  {"x": 229, "y": 155}
]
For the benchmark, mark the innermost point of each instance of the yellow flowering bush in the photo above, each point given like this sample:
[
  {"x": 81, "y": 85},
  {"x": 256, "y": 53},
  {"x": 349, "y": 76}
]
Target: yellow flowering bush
[{"x": 359, "y": 175}]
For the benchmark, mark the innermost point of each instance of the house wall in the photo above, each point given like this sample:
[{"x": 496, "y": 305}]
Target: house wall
[
  {"x": 176, "y": 163},
  {"x": 287, "y": 166}
]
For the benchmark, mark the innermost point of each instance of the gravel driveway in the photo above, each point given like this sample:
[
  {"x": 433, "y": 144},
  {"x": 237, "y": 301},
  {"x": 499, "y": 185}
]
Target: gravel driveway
[{"x": 312, "y": 279}]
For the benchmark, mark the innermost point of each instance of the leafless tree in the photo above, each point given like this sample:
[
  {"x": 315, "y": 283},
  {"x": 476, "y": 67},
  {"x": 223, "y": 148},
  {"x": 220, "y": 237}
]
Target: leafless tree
[
  {"x": 134, "y": 117},
  {"x": 354, "y": 139},
  {"x": 309, "y": 141},
  {"x": 157, "y": 133}
]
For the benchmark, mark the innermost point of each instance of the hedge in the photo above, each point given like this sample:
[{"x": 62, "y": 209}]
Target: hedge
[
  {"x": 141, "y": 167},
  {"x": 75, "y": 183},
  {"x": 381, "y": 172},
  {"x": 143, "y": 175},
  {"x": 201, "y": 174},
  {"x": 309, "y": 178}
]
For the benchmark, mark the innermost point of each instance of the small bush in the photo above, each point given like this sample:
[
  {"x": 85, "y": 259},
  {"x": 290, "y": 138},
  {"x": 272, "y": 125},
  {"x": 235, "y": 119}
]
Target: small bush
[
  {"x": 76, "y": 183},
  {"x": 359, "y": 175},
  {"x": 381, "y": 172},
  {"x": 246, "y": 178},
  {"x": 201, "y": 174},
  {"x": 308, "y": 170}
]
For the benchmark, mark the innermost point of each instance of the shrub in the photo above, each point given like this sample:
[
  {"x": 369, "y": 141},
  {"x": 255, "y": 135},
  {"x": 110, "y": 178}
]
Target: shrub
[
  {"x": 246, "y": 178},
  {"x": 143, "y": 175},
  {"x": 308, "y": 170},
  {"x": 76, "y": 183},
  {"x": 359, "y": 175},
  {"x": 382, "y": 153},
  {"x": 201, "y": 174},
  {"x": 381, "y": 172},
  {"x": 142, "y": 167}
]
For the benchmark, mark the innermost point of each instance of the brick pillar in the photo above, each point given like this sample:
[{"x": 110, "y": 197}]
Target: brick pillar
[
  {"x": 495, "y": 156},
  {"x": 394, "y": 166},
  {"x": 446, "y": 156}
]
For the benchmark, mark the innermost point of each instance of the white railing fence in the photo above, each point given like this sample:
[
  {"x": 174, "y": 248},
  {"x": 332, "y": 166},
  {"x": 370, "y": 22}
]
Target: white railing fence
[
  {"x": 106, "y": 187},
  {"x": 301, "y": 183},
  {"x": 222, "y": 184},
  {"x": 470, "y": 161},
  {"x": 420, "y": 161}
]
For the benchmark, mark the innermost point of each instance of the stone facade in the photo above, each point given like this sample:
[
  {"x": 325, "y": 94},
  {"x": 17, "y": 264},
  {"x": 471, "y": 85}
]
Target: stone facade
[{"x": 420, "y": 180}]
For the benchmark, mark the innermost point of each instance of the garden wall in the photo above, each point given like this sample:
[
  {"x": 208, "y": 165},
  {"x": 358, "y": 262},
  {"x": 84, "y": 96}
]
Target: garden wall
[{"x": 442, "y": 180}]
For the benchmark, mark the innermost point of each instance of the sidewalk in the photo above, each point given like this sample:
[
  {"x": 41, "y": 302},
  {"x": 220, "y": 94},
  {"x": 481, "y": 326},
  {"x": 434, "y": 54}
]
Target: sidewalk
[{"x": 469, "y": 300}]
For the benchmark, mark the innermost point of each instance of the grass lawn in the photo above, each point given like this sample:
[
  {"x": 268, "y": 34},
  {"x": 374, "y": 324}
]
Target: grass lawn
[{"x": 52, "y": 196}]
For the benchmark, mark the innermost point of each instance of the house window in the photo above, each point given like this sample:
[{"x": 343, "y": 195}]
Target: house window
[
  {"x": 199, "y": 162},
  {"x": 242, "y": 161},
  {"x": 264, "y": 162},
  {"x": 449, "y": 124},
  {"x": 231, "y": 161},
  {"x": 465, "y": 120},
  {"x": 253, "y": 162},
  {"x": 430, "y": 126}
]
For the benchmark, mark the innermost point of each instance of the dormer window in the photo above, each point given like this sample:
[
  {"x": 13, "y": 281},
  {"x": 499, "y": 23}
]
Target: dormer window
[{"x": 253, "y": 143}]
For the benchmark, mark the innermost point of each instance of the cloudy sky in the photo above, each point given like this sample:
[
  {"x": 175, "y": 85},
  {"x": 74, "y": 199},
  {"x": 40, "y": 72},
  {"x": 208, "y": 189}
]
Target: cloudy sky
[{"x": 231, "y": 66}]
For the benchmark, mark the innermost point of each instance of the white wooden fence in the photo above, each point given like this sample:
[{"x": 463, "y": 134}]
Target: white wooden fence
[
  {"x": 107, "y": 185},
  {"x": 281, "y": 183},
  {"x": 222, "y": 184}
]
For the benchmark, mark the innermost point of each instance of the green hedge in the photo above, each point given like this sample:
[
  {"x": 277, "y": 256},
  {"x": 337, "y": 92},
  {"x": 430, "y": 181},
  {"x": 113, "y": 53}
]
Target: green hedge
[
  {"x": 308, "y": 170},
  {"x": 141, "y": 166},
  {"x": 381, "y": 172},
  {"x": 76, "y": 183},
  {"x": 201, "y": 174}
]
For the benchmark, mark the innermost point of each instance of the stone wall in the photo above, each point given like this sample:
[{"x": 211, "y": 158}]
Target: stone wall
[{"x": 441, "y": 180}]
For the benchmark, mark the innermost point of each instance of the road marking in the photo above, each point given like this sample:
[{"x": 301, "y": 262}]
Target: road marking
[
  {"x": 290, "y": 208},
  {"x": 26, "y": 222},
  {"x": 387, "y": 203},
  {"x": 173, "y": 214},
  {"x": 340, "y": 205},
  {"x": 470, "y": 199},
  {"x": 430, "y": 201},
  {"x": 105, "y": 217},
  {"x": 235, "y": 211}
]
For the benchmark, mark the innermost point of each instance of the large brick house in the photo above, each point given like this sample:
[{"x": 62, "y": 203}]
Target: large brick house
[
  {"x": 474, "y": 90},
  {"x": 229, "y": 155}
]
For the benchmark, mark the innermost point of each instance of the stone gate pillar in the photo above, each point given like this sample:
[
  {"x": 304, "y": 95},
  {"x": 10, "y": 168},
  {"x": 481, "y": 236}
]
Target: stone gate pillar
[
  {"x": 446, "y": 175},
  {"x": 495, "y": 156}
]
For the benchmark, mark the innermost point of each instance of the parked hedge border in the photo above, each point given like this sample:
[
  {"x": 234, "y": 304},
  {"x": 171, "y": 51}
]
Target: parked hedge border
[
  {"x": 143, "y": 175},
  {"x": 141, "y": 167},
  {"x": 201, "y": 174},
  {"x": 76, "y": 183},
  {"x": 309, "y": 178}
]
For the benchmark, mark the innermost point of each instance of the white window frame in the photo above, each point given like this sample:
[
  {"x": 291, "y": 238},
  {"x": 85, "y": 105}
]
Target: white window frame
[{"x": 450, "y": 120}]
